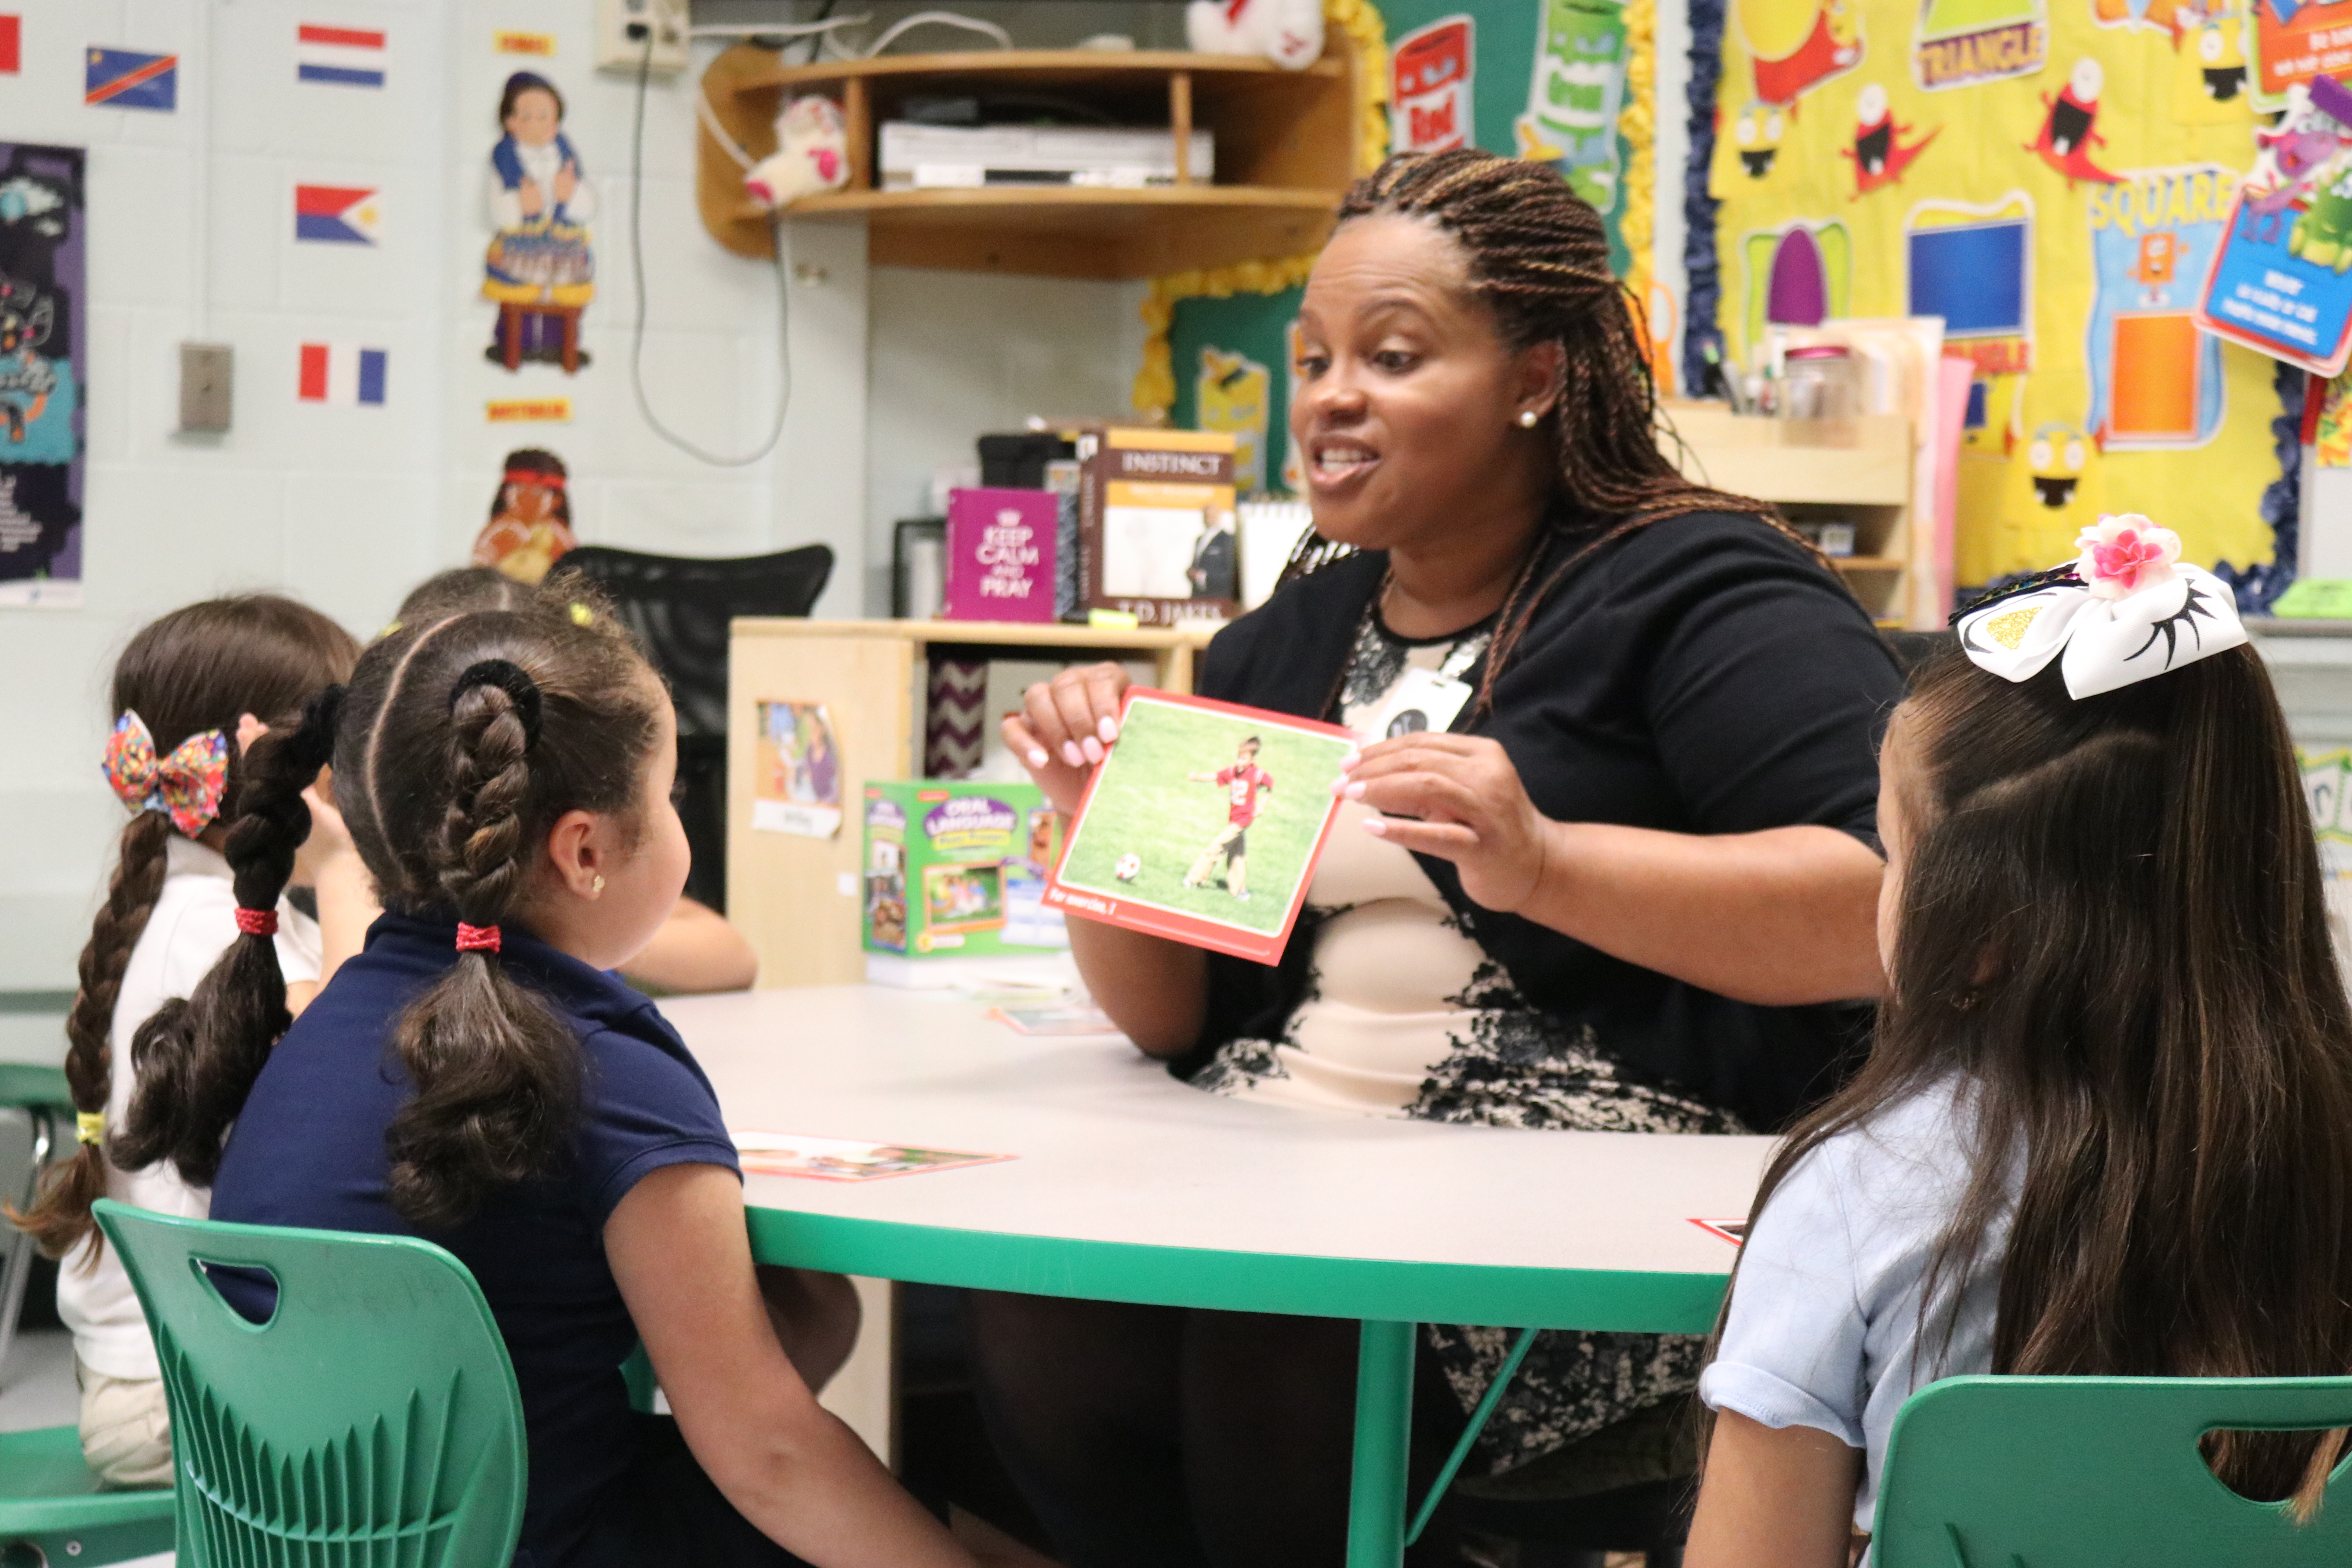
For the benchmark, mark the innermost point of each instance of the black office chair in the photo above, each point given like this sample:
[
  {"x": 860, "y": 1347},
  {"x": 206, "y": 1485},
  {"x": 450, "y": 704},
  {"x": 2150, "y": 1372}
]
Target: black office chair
[{"x": 679, "y": 606}]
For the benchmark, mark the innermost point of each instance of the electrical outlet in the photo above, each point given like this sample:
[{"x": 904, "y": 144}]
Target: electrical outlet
[
  {"x": 207, "y": 378},
  {"x": 624, "y": 26}
]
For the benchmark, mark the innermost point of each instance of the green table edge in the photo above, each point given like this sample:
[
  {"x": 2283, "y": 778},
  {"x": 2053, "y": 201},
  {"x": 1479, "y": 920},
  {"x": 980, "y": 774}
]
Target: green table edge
[{"x": 1597, "y": 1301}]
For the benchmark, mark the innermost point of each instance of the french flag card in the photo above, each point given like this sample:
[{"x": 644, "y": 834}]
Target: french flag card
[
  {"x": 337, "y": 57},
  {"x": 125, "y": 78},
  {"x": 342, "y": 373},
  {"x": 338, "y": 214}
]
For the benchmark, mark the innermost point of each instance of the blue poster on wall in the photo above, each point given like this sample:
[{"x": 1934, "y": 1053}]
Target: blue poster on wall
[
  {"x": 2277, "y": 286},
  {"x": 44, "y": 331}
]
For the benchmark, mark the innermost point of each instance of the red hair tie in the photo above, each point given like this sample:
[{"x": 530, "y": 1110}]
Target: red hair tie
[
  {"x": 257, "y": 923},
  {"x": 477, "y": 939}
]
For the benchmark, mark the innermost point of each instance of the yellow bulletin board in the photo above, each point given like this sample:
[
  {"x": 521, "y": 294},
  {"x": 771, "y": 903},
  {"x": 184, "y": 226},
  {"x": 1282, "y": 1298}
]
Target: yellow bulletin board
[{"x": 2053, "y": 179}]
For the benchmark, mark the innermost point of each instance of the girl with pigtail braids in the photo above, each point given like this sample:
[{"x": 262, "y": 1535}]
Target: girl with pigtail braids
[
  {"x": 479, "y": 1075},
  {"x": 1605, "y": 858},
  {"x": 189, "y": 691}
]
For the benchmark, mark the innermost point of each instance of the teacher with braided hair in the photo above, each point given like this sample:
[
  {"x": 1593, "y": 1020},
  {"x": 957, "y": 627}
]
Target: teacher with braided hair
[{"x": 1616, "y": 869}]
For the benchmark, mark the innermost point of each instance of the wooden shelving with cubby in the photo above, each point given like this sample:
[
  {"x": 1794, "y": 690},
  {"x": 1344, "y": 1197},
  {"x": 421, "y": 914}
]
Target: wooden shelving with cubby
[
  {"x": 1284, "y": 157},
  {"x": 1858, "y": 471}
]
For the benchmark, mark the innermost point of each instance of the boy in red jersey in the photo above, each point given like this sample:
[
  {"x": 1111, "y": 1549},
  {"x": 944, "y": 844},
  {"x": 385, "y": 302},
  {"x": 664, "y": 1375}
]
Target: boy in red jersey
[{"x": 1240, "y": 783}]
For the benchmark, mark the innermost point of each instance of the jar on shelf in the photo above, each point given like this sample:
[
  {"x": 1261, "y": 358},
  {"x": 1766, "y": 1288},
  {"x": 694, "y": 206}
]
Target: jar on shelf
[{"x": 1819, "y": 381}]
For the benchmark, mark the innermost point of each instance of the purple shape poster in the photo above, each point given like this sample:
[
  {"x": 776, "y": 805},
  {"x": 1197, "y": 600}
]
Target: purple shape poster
[
  {"x": 44, "y": 336},
  {"x": 1000, "y": 554}
]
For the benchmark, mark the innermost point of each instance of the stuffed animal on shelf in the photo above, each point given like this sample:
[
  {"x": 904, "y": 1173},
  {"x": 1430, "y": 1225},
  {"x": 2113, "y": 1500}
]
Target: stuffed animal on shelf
[
  {"x": 1287, "y": 32},
  {"x": 811, "y": 153}
]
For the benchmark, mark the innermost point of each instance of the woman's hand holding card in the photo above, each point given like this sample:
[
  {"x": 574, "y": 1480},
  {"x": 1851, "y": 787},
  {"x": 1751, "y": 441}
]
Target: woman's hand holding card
[
  {"x": 1460, "y": 799},
  {"x": 1067, "y": 726}
]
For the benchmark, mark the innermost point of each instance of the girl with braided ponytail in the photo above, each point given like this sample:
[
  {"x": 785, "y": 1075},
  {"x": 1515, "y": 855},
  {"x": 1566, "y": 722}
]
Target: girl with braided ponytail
[
  {"x": 185, "y": 697},
  {"x": 1607, "y": 857},
  {"x": 480, "y": 1075}
]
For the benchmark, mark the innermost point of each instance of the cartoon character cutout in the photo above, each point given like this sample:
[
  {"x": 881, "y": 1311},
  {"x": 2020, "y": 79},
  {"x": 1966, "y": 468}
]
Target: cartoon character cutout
[
  {"x": 2218, "y": 42},
  {"x": 1794, "y": 46},
  {"x": 38, "y": 395},
  {"x": 1757, "y": 134},
  {"x": 2057, "y": 461},
  {"x": 2162, "y": 14},
  {"x": 1233, "y": 392},
  {"x": 540, "y": 269},
  {"x": 1575, "y": 97},
  {"x": 2069, "y": 129},
  {"x": 1431, "y": 71},
  {"x": 531, "y": 517},
  {"x": 1879, "y": 154}
]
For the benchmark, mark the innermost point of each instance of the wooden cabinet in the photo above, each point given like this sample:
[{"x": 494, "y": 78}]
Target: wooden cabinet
[
  {"x": 1284, "y": 143},
  {"x": 797, "y": 898}
]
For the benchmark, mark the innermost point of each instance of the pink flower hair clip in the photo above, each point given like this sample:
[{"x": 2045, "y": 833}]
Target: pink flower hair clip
[{"x": 2124, "y": 553}]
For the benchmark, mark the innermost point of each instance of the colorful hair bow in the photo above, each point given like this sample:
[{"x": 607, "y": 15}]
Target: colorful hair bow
[
  {"x": 186, "y": 786},
  {"x": 2123, "y": 610}
]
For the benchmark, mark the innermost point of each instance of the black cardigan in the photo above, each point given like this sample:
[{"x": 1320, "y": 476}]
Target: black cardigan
[{"x": 1701, "y": 675}]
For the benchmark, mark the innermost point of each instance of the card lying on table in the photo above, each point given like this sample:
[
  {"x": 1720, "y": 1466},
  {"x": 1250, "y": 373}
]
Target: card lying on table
[
  {"x": 1204, "y": 824},
  {"x": 842, "y": 1159}
]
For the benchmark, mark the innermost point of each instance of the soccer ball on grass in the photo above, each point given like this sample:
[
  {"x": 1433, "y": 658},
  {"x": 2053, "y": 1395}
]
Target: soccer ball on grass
[{"x": 1128, "y": 868}]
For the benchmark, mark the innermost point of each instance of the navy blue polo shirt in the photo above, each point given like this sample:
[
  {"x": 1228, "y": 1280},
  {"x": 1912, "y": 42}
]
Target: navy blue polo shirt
[{"x": 308, "y": 1150}]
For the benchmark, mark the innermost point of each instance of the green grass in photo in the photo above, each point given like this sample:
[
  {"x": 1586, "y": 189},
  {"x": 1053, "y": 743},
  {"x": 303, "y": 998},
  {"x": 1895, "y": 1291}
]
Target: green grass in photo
[{"x": 1145, "y": 806}]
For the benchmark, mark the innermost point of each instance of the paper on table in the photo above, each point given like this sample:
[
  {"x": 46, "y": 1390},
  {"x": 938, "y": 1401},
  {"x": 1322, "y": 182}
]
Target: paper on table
[
  {"x": 842, "y": 1159},
  {"x": 1055, "y": 1020}
]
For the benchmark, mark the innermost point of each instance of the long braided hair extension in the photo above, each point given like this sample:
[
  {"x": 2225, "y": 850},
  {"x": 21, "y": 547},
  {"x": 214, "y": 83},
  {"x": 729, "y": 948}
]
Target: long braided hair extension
[{"x": 1538, "y": 258}]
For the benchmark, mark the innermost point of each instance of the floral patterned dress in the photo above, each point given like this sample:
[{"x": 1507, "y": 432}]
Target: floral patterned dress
[{"x": 1405, "y": 1015}]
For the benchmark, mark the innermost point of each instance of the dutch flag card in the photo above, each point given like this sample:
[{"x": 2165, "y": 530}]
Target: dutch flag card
[
  {"x": 337, "y": 57},
  {"x": 126, "y": 79},
  {"x": 341, "y": 373},
  {"x": 338, "y": 214}
]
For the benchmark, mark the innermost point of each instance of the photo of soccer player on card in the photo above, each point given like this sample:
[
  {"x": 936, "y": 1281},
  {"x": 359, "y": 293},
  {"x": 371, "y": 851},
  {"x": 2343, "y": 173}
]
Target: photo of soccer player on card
[{"x": 1202, "y": 824}]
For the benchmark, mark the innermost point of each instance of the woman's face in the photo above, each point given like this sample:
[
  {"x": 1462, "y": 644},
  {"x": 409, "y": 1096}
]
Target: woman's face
[
  {"x": 1406, "y": 405},
  {"x": 534, "y": 118}
]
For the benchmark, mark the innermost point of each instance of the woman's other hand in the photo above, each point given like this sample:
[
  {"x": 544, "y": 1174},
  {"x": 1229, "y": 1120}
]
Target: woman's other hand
[
  {"x": 527, "y": 197},
  {"x": 1066, "y": 726},
  {"x": 1471, "y": 807},
  {"x": 567, "y": 182}
]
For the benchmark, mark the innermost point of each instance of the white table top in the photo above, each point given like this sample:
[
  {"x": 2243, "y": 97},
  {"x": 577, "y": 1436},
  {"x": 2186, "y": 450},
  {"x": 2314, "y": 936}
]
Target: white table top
[{"x": 1129, "y": 1185}]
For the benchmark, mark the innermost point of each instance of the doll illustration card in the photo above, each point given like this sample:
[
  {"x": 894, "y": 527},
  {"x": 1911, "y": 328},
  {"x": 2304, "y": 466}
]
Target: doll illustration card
[{"x": 1204, "y": 824}]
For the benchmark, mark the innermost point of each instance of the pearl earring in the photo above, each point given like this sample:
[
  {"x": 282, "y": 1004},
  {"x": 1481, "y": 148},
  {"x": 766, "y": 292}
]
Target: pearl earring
[
  {"x": 1528, "y": 418},
  {"x": 598, "y": 885}
]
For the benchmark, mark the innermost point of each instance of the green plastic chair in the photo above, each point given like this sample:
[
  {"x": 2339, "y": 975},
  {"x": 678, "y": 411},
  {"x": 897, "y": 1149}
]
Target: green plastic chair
[
  {"x": 373, "y": 1420},
  {"x": 52, "y": 1511},
  {"x": 40, "y": 1092},
  {"x": 2097, "y": 1472}
]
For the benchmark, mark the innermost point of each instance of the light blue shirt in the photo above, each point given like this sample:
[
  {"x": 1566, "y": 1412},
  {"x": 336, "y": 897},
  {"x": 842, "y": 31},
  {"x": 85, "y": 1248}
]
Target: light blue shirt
[{"x": 1825, "y": 1327}]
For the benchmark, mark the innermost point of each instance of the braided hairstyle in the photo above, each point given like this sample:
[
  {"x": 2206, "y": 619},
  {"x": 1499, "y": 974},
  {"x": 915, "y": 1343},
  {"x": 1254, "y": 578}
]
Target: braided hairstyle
[
  {"x": 199, "y": 667},
  {"x": 1538, "y": 259},
  {"x": 197, "y": 1057},
  {"x": 463, "y": 739}
]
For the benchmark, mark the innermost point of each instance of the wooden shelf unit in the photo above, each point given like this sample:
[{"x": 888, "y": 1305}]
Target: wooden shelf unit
[
  {"x": 1857, "y": 471},
  {"x": 1284, "y": 146},
  {"x": 797, "y": 898}
]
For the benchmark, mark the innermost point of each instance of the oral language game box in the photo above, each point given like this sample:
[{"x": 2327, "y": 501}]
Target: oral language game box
[{"x": 958, "y": 868}]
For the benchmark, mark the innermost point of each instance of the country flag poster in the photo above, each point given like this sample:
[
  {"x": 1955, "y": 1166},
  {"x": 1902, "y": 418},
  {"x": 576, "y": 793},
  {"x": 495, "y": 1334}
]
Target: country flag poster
[
  {"x": 125, "y": 78},
  {"x": 337, "y": 57},
  {"x": 338, "y": 214},
  {"x": 341, "y": 374}
]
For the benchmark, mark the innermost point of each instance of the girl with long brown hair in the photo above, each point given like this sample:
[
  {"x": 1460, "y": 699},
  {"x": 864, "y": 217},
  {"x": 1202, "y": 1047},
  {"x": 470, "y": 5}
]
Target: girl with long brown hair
[
  {"x": 480, "y": 1077},
  {"x": 2106, "y": 1124},
  {"x": 187, "y": 690},
  {"x": 1621, "y": 882}
]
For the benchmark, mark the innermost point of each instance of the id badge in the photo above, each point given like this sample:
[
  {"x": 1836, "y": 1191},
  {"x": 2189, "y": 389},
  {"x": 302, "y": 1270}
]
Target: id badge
[{"x": 1424, "y": 700}]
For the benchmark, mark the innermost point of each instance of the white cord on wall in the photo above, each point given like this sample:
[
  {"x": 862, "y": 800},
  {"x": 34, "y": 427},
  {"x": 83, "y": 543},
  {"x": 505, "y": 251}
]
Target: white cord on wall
[{"x": 638, "y": 272}]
